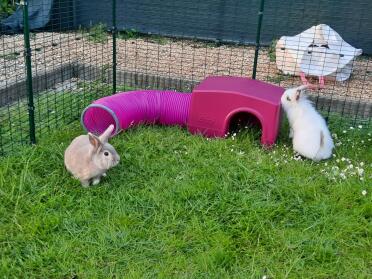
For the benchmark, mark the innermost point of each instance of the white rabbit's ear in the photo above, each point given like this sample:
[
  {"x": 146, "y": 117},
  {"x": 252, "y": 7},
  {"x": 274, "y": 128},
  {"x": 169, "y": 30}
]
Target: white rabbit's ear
[
  {"x": 298, "y": 94},
  {"x": 106, "y": 134},
  {"x": 303, "y": 87},
  {"x": 299, "y": 91},
  {"x": 94, "y": 141}
]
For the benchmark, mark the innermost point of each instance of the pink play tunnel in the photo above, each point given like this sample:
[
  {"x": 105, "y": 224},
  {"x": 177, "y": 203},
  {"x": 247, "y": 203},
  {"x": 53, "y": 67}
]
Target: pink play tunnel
[{"x": 137, "y": 107}]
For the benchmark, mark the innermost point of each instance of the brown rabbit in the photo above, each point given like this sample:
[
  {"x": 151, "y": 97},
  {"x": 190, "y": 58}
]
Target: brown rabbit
[{"x": 88, "y": 157}]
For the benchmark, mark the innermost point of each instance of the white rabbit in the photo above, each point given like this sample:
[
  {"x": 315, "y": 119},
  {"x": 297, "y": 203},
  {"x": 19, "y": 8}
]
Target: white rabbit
[
  {"x": 88, "y": 157},
  {"x": 311, "y": 137}
]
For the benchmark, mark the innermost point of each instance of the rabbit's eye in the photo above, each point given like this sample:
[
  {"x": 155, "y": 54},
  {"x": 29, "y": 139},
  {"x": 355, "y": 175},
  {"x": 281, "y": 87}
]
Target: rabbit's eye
[
  {"x": 288, "y": 99},
  {"x": 105, "y": 153}
]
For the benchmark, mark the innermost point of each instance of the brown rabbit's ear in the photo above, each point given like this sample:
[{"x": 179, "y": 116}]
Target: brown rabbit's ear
[
  {"x": 106, "y": 134},
  {"x": 94, "y": 141}
]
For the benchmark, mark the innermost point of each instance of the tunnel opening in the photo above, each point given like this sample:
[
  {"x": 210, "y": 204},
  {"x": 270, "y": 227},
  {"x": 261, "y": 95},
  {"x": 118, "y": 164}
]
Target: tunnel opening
[{"x": 97, "y": 118}]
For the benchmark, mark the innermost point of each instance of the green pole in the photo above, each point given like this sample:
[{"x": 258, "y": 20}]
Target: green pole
[
  {"x": 27, "y": 54},
  {"x": 258, "y": 37},
  {"x": 114, "y": 33}
]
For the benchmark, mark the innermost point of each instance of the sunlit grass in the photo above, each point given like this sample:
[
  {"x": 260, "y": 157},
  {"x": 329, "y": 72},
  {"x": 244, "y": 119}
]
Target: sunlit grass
[{"x": 182, "y": 206}]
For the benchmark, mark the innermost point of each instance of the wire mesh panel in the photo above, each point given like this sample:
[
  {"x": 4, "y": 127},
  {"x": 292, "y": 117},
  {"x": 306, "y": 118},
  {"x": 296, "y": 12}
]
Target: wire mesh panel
[
  {"x": 316, "y": 39},
  {"x": 175, "y": 54},
  {"x": 171, "y": 45},
  {"x": 14, "y": 126},
  {"x": 69, "y": 65},
  {"x": 174, "y": 44}
]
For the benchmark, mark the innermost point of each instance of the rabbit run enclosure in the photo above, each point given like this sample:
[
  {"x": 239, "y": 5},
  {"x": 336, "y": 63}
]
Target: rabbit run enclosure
[{"x": 57, "y": 56}]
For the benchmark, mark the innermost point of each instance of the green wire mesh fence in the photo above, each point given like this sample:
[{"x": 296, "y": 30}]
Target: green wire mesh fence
[
  {"x": 49, "y": 75},
  {"x": 61, "y": 55}
]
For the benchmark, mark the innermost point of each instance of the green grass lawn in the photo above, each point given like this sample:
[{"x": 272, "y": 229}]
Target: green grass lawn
[{"x": 182, "y": 206}]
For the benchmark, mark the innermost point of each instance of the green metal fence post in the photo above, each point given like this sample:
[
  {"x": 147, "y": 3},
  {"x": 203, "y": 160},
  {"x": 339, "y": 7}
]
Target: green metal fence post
[
  {"x": 114, "y": 33},
  {"x": 27, "y": 54},
  {"x": 258, "y": 37}
]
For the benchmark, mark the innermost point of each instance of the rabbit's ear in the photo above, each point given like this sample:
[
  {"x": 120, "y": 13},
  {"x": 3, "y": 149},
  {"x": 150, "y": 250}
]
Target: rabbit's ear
[
  {"x": 94, "y": 141},
  {"x": 299, "y": 91},
  {"x": 302, "y": 87},
  {"x": 298, "y": 94},
  {"x": 106, "y": 134}
]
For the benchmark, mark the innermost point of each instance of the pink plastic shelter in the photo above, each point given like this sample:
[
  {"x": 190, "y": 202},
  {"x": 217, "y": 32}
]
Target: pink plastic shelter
[{"x": 216, "y": 100}]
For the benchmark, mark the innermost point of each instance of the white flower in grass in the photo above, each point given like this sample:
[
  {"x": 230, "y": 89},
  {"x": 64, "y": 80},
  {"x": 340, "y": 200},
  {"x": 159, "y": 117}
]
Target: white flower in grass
[
  {"x": 364, "y": 192},
  {"x": 344, "y": 131},
  {"x": 342, "y": 175},
  {"x": 361, "y": 178},
  {"x": 326, "y": 164},
  {"x": 334, "y": 135},
  {"x": 343, "y": 159},
  {"x": 241, "y": 153},
  {"x": 338, "y": 143},
  {"x": 232, "y": 150},
  {"x": 351, "y": 128},
  {"x": 361, "y": 164},
  {"x": 362, "y": 141},
  {"x": 334, "y": 170},
  {"x": 334, "y": 155},
  {"x": 264, "y": 277},
  {"x": 360, "y": 171},
  {"x": 338, "y": 160},
  {"x": 360, "y": 126}
]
